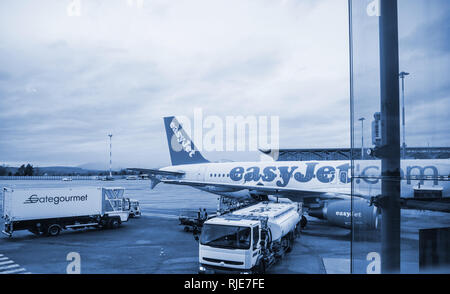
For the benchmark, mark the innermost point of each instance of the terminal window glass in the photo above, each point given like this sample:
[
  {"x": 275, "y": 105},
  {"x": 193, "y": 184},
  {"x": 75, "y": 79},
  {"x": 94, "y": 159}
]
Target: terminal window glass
[{"x": 400, "y": 154}]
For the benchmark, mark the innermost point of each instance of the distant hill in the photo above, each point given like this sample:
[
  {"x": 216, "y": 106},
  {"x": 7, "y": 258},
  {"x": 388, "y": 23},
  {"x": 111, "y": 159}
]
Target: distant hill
[
  {"x": 66, "y": 170},
  {"x": 55, "y": 171},
  {"x": 98, "y": 166}
]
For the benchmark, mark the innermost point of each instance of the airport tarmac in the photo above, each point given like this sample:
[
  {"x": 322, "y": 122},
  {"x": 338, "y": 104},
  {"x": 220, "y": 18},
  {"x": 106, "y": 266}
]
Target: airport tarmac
[{"x": 156, "y": 244}]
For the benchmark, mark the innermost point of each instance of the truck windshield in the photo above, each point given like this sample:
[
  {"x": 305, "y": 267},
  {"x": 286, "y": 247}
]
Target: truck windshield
[{"x": 221, "y": 236}]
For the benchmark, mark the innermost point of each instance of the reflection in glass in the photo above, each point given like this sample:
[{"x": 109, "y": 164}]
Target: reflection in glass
[{"x": 423, "y": 102}]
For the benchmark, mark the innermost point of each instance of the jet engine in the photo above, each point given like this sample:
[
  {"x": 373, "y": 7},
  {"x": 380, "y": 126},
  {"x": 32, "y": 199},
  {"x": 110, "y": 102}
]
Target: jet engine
[{"x": 339, "y": 213}]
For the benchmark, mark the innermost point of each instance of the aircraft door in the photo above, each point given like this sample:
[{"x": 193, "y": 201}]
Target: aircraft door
[{"x": 201, "y": 173}]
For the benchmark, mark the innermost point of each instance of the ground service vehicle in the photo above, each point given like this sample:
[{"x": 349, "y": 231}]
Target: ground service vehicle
[
  {"x": 249, "y": 240},
  {"x": 135, "y": 209},
  {"x": 192, "y": 221},
  {"x": 48, "y": 211}
]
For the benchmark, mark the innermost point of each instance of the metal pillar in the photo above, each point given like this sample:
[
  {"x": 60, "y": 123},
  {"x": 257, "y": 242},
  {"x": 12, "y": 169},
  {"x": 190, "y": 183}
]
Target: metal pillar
[
  {"x": 390, "y": 122},
  {"x": 402, "y": 76},
  {"x": 362, "y": 137},
  {"x": 110, "y": 155},
  {"x": 352, "y": 126}
]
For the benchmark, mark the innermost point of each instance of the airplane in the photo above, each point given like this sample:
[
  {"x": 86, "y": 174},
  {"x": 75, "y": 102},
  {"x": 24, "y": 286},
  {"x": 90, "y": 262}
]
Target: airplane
[{"x": 323, "y": 187}]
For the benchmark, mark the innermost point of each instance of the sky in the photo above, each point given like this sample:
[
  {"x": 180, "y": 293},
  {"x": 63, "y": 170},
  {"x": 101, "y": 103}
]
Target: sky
[
  {"x": 424, "y": 52},
  {"x": 119, "y": 67}
]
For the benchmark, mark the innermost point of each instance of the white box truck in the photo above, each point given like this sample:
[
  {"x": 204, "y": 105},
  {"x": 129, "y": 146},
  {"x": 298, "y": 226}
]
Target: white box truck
[
  {"x": 47, "y": 211},
  {"x": 249, "y": 240}
]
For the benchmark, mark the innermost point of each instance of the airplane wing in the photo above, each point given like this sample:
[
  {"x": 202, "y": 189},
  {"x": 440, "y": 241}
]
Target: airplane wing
[
  {"x": 156, "y": 175},
  {"x": 156, "y": 172},
  {"x": 293, "y": 194}
]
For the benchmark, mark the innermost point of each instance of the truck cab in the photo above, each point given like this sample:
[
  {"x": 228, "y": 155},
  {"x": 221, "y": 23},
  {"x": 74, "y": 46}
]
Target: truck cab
[
  {"x": 230, "y": 244},
  {"x": 135, "y": 210}
]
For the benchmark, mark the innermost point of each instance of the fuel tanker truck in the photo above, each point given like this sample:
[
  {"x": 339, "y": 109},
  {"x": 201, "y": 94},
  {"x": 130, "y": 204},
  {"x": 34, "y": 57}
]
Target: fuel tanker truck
[{"x": 249, "y": 240}]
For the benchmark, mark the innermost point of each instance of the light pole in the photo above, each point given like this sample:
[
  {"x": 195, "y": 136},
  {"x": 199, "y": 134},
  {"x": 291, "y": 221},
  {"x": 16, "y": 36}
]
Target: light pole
[
  {"x": 402, "y": 76},
  {"x": 110, "y": 155},
  {"x": 362, "y": 136}
]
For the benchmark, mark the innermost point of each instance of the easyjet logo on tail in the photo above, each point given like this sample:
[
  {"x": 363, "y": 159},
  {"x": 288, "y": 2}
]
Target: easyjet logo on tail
[{"x": 181, "y": 139}]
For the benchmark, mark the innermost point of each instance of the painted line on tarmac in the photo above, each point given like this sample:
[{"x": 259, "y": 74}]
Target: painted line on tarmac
[
  {"x": 162, "y": 215},
  {"x": 14, "y": 271},
  {"x": 6, "y": 262},
  {"x": 8, "y": 266},
  {"x": 336, "y": 265}
]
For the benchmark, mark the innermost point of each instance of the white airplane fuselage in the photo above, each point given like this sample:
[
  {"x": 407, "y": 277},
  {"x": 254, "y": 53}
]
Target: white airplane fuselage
[{"x": 316, "y": 176}]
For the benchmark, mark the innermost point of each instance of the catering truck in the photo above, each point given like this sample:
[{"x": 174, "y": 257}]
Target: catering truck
[
  {"x": 249, "y": 240},
  {"x": 46, "y": 211}
]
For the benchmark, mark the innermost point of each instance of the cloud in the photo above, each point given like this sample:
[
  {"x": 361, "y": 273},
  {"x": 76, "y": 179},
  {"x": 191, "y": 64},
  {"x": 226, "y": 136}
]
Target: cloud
[
  {"x": 425, "y": 54},
  {"x": 71, "y": 80},
  {"x": 66, "y": 82}
]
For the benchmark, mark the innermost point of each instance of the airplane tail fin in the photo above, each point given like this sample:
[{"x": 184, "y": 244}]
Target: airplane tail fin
[{"x": 182, "y": 149}]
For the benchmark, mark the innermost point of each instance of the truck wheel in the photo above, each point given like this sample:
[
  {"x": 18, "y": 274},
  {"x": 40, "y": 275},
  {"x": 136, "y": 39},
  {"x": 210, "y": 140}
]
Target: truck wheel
[
  {"x": 298, "y": 230},
  {"x": 53, "y": 230},
  {"x": 260, "y": 268},
  {"x": 303, "y": 222},
  {"x": 114, "y": 223},
  {"x": 104, "y": 224},
  {"x": 289, "y": 246},
  {"x": 289, "y": 242},
  {"x": 292, "y": 241}
]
